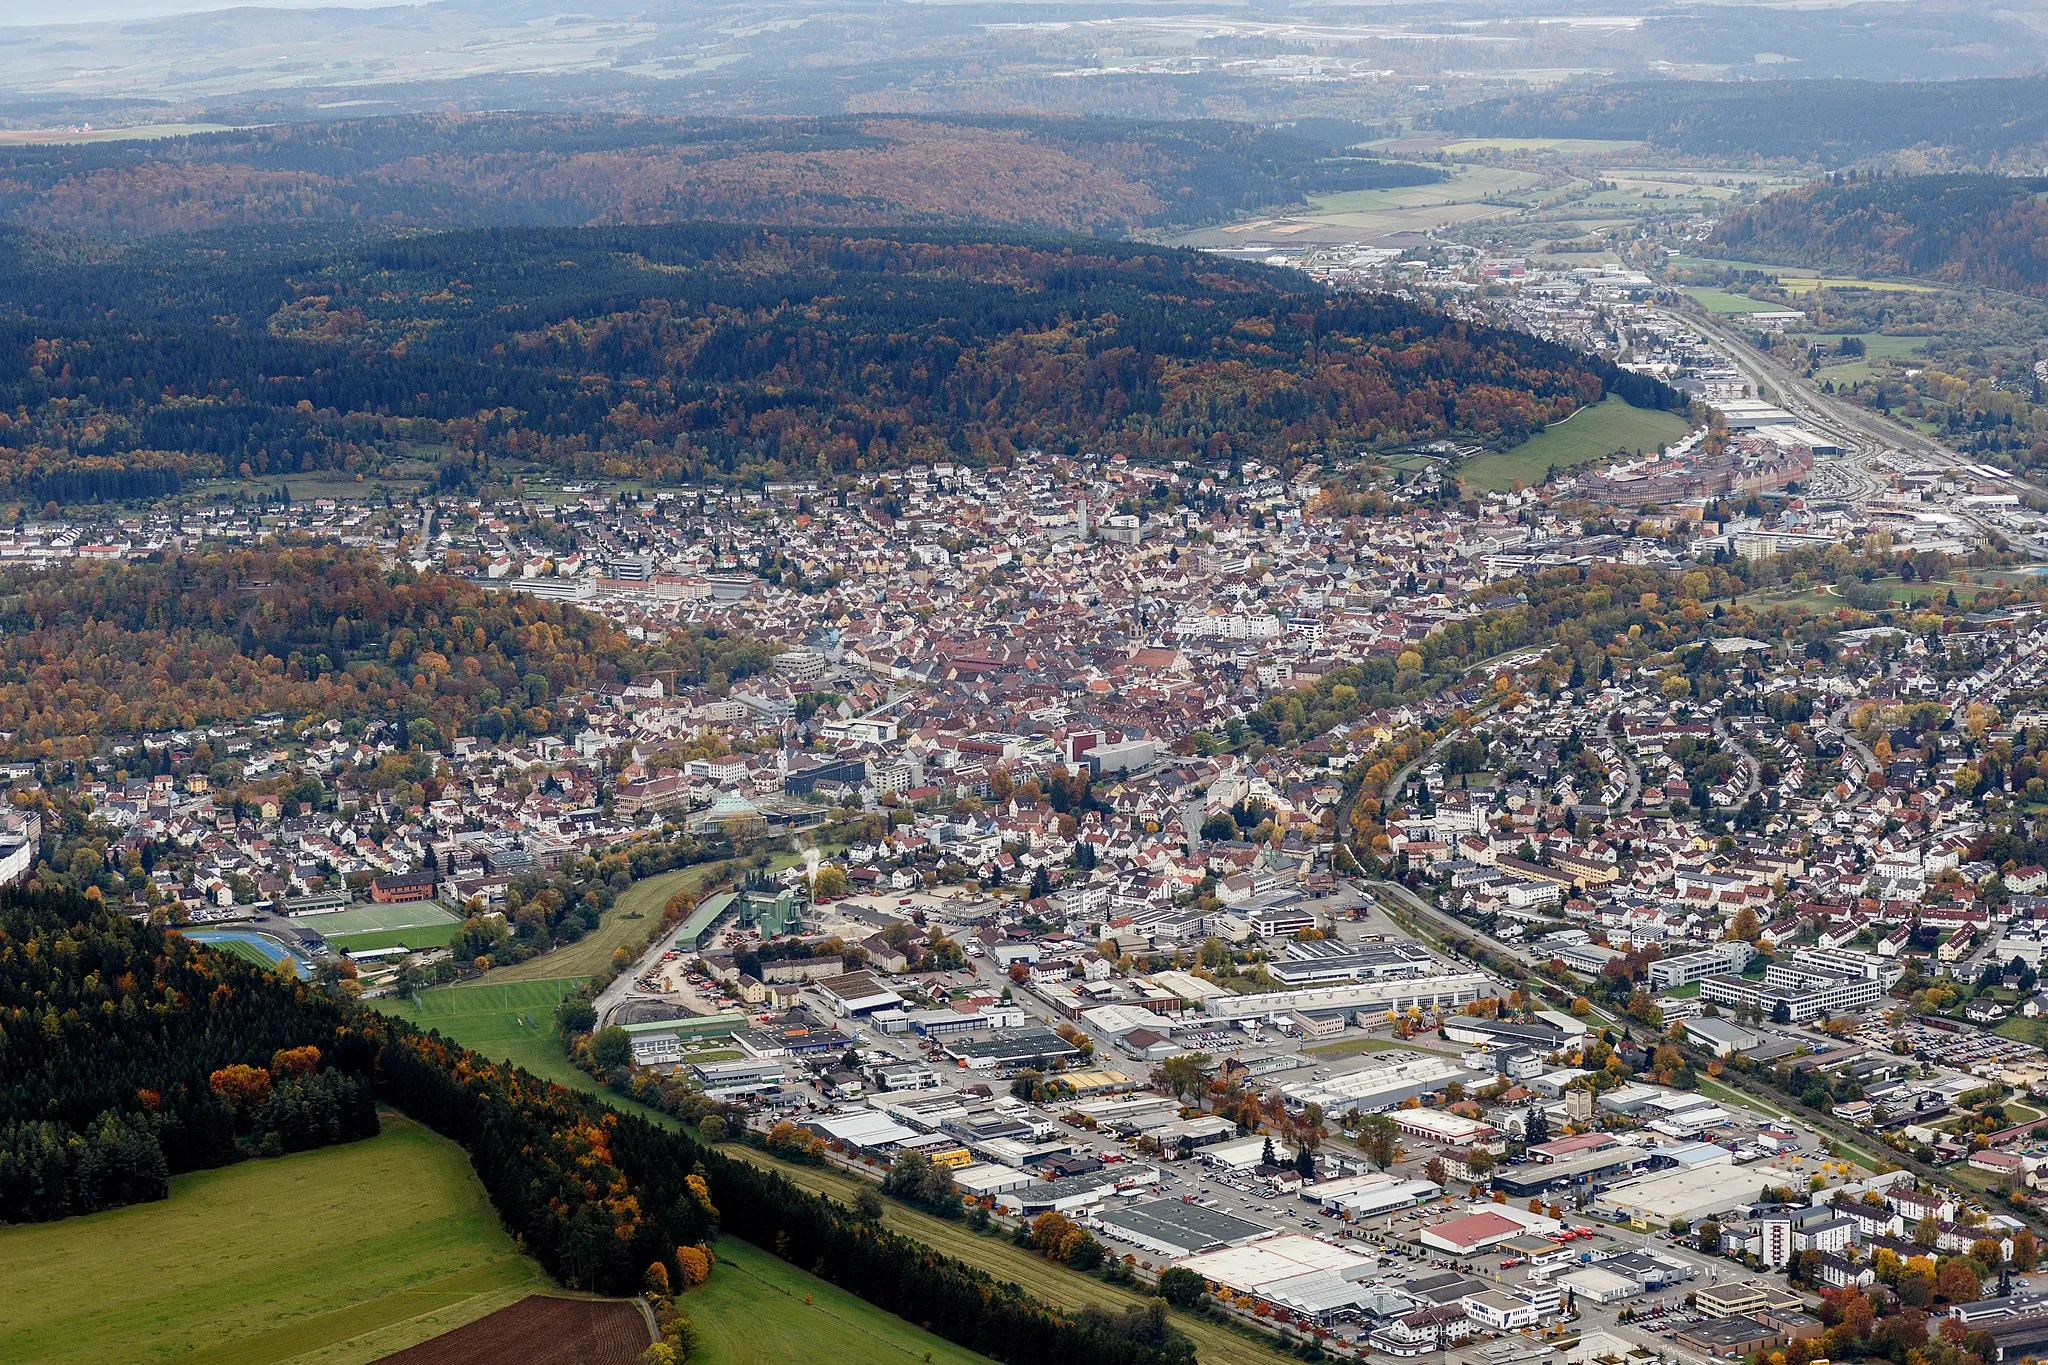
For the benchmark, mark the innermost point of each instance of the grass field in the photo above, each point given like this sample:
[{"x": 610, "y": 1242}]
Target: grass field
[
  {"x": 1214, "y": 1345},
  {"x": 1591, "y": 433},
  {"x": 428, "y": 936},
  {"x": 336, "y": 1256},
  {"x": 1721, "y": 301},
  {"x": 625, "y": 925},
  {"x": 1715, "y": 1090},
  {"x": 1877, "y": 346},
  {"x": 756, "y": 1310},
  {"x": 1806, "y": 284},
  {"x": 2022, "y": 1029},
  {"x": 1351, "y": 1047},
  {"x": 505, "y": 1021},
  {"x": 1800, "y": 279}
]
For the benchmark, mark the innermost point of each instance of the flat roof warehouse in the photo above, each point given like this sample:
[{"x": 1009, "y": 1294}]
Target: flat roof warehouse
[
  {"x": 1168, "y": 1227},
  {"x": 1011, "y": 1048}
]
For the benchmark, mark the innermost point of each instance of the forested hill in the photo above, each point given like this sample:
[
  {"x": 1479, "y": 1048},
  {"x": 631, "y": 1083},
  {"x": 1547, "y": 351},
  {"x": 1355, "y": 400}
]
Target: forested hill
[
  {"x": 1835, "y": 122},
  {"x": 562, "y": 170},
  {"x": 670, "y": 351},
  {"x": 1988, "y": 230},
  {"x": 317, "y": 631}
]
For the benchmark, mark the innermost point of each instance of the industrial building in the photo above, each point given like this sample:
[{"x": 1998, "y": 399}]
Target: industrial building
[
  {"x": 1011, "y": 1049},
  {"x": 1396, "y": 1077},
  {"x": 1472, "y": 1233},
  {"x": 1686, "y": 1193},
  {"x": 739, "y": 1079},
  {"x": 1589, "y": 1169},
  {"x": 1600, "y": 1285},
  {"x": 1170, "y": 1228},
  {"x": 1312, "y": 1279},
  {"x": 1448, "y": 991},
  {"x": 1320, "y": 960},
  {"x": 1369, "y": 1196},
  {"x": 659, "y": 1042}
]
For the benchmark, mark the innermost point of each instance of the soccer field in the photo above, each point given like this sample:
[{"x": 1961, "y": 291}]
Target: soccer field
[
  {"x": 256, "y": 949},
  {"x": 370, "y": 919},
  {"x": 341, "y": 1255}
]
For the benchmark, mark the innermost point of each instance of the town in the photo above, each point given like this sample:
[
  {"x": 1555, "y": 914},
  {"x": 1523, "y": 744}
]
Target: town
[{"x": 1621, "y": 982}]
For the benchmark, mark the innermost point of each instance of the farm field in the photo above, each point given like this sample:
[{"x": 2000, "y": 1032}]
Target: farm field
[
  {"x": 52, "y": 137},
  {"x": 1802, "y": 279},
  {"x": 1591, "y": 433},
  {"x": 331, "y": 1257},
  {"x": 1352, "y": 215},
  {"x": 1214, "y": 1345},
  {"x": 541, "y": 1329},
  {"x": 757, "y": 1310},
  {"x": 1467, "y": 183},
  {"x": 1806, "y": 284}
]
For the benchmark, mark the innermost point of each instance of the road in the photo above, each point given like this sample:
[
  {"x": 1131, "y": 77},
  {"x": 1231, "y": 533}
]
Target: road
[
  {"x": 1752, "y": 771},
  {"x": 1864, "y": 435},
  {"x": 1635, "y": 779},
  {"x": 1840, "y": 721}
]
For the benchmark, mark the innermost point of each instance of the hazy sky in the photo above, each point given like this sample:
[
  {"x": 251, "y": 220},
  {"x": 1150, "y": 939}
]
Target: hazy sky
[{"x": 92, "y": 11}]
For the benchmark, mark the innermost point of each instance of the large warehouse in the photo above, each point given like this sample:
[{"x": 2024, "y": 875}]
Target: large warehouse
[
  {"x": 1392, "y": 1078},
  {"x": 1473, "y": 1233},
  {"x": 1315, "y": 1279},
  {"x": 1423, "y": 992},
  {"x": 1171, "y": 1228},
  {"x": 1591, "y": 1168},
  {"x": 1687, "y": 1193},
  {"x": 1369, "y": 1196}
]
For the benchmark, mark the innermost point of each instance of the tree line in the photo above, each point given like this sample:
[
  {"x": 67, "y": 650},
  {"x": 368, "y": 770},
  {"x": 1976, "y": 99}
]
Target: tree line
[{"x": 128, "y": 1055}]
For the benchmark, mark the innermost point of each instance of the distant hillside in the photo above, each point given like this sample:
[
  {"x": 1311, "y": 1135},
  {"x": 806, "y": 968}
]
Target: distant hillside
[
  {"x": 706, "y": 350},
  {"x": 572, "y": 170},
  {"x": 1833, "y": 122},
  {"x": 1985, "y": 230}
]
